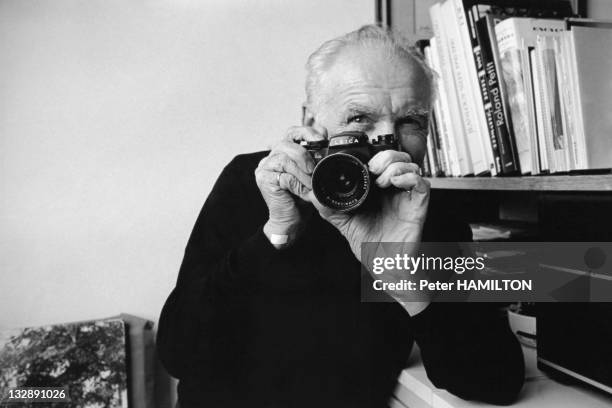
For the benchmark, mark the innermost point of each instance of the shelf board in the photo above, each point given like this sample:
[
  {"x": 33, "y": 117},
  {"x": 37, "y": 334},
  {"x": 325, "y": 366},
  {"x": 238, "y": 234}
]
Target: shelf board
[{"x": 598, "y": 182}]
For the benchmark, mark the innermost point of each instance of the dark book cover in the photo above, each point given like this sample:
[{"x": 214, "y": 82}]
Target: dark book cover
[
  {"x": 472, "y": 15},
  {"x": 500, "y": 114}
]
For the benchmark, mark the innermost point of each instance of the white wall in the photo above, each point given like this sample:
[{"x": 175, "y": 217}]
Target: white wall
[{"x": 116, "y": 116}]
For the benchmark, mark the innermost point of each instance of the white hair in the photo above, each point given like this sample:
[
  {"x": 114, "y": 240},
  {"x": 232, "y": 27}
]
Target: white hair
[{"x": 368, "y": 36}]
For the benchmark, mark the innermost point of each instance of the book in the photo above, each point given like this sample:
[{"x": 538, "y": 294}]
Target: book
[
  {"x": 107, "y": 362},
  {"x": 542, "y": 153},
  {"x": 568, "y": 108},
  {"x": 591, "y": 60},
  {"x": 556, "y": 141},
  {"x": 542, "y": 156},
  {"x": 89, "y": 358}
]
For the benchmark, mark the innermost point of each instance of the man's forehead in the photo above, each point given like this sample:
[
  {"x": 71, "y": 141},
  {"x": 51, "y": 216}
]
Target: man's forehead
[{"x": 358, "y": 77}]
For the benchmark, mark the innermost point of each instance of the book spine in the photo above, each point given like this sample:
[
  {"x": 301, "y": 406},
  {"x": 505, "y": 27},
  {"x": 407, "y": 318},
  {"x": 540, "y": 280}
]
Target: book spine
[
  {"x": 433, "y": 149},
  {"x": 569, "y": 117},
  {"x": 545, "y": 161},
  {"x": 440, "y": 154},
  {"x": 583, "y": 162},
  {"x": 499, "y": 97},
  {"x": 505, "y": 152},
  {"x": 565, "y": 119},
  {"x": 514, "y": 82},
  {"x": 484, "y": 94},
  {"x": 556, "y": 138}
]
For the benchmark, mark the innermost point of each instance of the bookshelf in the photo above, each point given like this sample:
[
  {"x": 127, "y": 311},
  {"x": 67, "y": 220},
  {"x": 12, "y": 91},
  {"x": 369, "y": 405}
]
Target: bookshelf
[
  {"x": 586, "y": 183},
  {"x": 568, "y": 205},
  {"x": 413, "y": 19}
]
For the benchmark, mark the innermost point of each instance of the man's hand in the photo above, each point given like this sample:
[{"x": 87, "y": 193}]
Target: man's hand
[
  {"x": 401, "y": 216},
  {"x": 282, "y": 177},
  {"x": 403, "y": 205}
]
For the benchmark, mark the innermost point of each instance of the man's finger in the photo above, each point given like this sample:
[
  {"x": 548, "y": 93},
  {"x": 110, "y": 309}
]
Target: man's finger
[
  {"x": 298, "y": 153},
  {"x": 417, "y": 185},
  {"x": 303, "y": 133},
  {"x": 282, "y": 163},
  {"x": 291, "y": 183},
  {"x": 420, "y": 193},
  {"x": 382, "y": 160},
  {"x": 396, "y": 169},
  {"x": 406, "y": 181},
  {"x": 268, "y": 178}
]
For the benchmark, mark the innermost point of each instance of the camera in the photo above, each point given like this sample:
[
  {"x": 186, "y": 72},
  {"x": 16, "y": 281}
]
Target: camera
[{"x": 341, "y": 179}]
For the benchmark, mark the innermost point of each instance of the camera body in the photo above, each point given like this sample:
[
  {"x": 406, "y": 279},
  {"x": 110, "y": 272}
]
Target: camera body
[{"x": 341, "y": 179}]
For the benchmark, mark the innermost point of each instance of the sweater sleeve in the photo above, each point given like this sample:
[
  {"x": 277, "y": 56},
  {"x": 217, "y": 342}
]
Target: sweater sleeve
[
  {"x": 225, "y": 260},
  {"x": 469, "y": 350}
]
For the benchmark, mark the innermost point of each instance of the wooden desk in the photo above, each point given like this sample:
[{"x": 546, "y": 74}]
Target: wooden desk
[{"x": 414, "y": 390}]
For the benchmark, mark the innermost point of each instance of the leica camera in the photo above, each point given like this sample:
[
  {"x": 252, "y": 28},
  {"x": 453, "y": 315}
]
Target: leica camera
[{"x": 341, "y": 179}]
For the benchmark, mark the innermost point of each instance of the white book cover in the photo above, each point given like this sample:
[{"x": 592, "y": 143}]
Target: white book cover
[
  {"x": 464, "y": 92},
  {"x": 449, "y": 109},
  {"x": 544, "y": 161},
  {"x": 593, "y": 67},
  {"x": 515, "y": 36},
  {"x": 556, "y": 139},
  {"x": 568, "y": 116},
  {"x": 578, "y": 119}
]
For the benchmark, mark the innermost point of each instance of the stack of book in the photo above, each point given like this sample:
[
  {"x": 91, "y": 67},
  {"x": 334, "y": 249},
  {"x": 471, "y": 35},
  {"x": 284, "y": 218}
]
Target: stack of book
[{"x": 522, "y": 88}]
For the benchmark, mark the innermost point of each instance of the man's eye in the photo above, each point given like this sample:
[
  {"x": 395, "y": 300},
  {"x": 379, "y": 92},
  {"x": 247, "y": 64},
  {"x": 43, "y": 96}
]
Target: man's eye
[{"x": 358, "y": 119}]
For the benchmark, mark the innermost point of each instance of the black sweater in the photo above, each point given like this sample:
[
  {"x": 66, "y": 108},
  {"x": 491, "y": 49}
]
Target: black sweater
[{"x": 249, "y": 325}]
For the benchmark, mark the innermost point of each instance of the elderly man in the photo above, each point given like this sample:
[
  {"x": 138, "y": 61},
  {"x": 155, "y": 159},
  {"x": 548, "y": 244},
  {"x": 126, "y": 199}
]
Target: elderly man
[{"x": 266, "y": 311}]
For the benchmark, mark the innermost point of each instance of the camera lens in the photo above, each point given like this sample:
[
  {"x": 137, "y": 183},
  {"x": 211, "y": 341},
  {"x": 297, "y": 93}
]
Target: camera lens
[{"x": 341, "y": 181}]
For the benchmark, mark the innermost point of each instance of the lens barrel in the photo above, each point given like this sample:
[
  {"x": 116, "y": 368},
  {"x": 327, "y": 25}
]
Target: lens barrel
[{"x": 341, "y": 181}]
